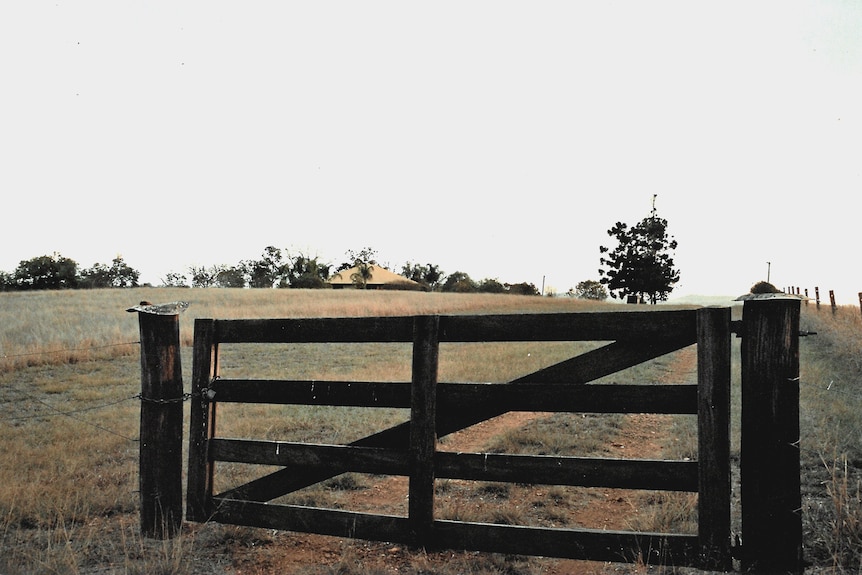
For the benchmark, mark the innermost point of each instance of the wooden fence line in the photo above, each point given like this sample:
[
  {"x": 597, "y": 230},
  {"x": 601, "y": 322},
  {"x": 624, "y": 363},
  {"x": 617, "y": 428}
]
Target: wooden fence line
[
  {"x": 833, "y": 305},
  {"x": 438, "y": 409}
]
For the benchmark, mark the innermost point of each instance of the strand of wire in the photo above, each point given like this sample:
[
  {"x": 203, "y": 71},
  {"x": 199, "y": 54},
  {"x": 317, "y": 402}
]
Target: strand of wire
[
  {"x": 73, "y": 415},
  {"x": 58, "y": 411},
  {"x": 68, "y": 350}
]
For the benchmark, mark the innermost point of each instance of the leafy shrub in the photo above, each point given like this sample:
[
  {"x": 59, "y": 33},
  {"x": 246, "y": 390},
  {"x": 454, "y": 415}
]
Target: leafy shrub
[{"x": 764, "y": 287}]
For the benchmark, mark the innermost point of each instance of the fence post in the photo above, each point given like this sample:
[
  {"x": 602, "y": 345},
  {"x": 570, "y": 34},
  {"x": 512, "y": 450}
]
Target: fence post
[
  {"x": 817, "y": 296},
  {"x": 161, "y": 419},
  {"x": 423, "y": 427},
  {"x": 770, "y": 461},
  {"x": 832, "y": 300}
]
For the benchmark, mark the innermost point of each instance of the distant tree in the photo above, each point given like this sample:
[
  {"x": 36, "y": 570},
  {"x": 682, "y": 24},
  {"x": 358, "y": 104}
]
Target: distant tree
[
  {"x": 491, "y": 285},
  {"x": 118, "y": 275},
  {"x": 174, "y": 279},
  {"x": 590, "y": 289},
  {"x": 641, "y": 264},
  {"x": 363, "y": 273},
  {"x": 365, "y": 255},
  {"x": 98, "y": 276},
  {"x": 267, "y": 272},
  {"x": 122, "y": 274},
  {"x": 428, "y": 275},
  {"x": 204, "y": 277},
  {"x": 308, "y": 273},
  {"x": 46, "y": 272},
  {"x": 7, "y": 281},
  {"x": 523, "y": 288},
  {"x": 309, "y": 282},
  {"x": 459, "y": 282},
  {"x": 412, "y": 271},
  {"x": 230, "y": 277}
]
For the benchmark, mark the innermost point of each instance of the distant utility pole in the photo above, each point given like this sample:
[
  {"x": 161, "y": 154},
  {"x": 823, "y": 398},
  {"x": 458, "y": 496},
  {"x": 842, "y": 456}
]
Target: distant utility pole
[{"x": 768, "y": 270}]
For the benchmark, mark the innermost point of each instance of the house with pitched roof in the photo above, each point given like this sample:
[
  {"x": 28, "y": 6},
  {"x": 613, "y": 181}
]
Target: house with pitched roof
[{"x": 378, "y": 278}]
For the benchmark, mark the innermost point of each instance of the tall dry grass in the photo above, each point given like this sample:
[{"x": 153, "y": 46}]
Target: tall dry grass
[
  {"x": 831, "y": 431},
  {"x": 53, "y": 327},
  {"x": 69, "y": 416}
]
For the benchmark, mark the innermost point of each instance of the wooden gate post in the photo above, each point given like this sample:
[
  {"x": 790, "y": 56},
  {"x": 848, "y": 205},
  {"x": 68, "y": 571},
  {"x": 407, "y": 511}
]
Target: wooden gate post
[
  {"x": 161, "y": 419},
  {"x": 423, "y": 427},
  {"x": 770, "y": 462}
]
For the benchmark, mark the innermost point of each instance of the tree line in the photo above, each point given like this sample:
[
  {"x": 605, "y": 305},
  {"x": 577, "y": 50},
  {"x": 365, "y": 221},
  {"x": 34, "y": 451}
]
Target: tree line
[
  {"x": 275, "y": 268},
  {"x": 641, "y": 266}
]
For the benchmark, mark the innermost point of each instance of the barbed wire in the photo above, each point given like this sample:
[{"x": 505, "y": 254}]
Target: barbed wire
[
  {"x": 68, "y": 350},
  {"x": 72, "y": 414},
  {"x": 184, "y": 397},
  {"x": 58, "y": 411},
  {"x": 831, "y": 388}
]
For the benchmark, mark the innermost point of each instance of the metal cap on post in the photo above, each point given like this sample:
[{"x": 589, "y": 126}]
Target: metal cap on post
[{"x": 161, "y": 419}]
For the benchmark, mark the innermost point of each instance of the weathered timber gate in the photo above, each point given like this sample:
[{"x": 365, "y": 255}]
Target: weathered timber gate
[{"x": 770, "y": 418}]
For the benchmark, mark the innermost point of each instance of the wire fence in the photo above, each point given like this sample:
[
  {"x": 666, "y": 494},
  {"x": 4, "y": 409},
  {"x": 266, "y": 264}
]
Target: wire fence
[
  {"x": 832, "y": 388},
  {"x": 74, "y": 414},
  {"x": 68, "y": 350}
]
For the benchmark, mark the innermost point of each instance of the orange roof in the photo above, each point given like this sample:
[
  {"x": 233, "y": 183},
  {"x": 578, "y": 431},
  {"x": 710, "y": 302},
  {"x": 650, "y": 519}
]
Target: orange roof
[{"x": 379, "y": 276}]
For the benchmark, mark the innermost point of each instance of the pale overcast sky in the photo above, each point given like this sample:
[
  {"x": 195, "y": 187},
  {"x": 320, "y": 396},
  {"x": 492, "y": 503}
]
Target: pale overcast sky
[{"x": 502, "y": 139}]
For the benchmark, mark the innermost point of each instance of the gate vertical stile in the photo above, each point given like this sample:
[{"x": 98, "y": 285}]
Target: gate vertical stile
[
  {"x": 713, "y": 420},
  {"x": 202, "y": 423},
  {"x": 423, "y": 427}
]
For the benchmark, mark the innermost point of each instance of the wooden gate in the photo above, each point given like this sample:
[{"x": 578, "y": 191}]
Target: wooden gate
[{"x": 438, "y": 409}]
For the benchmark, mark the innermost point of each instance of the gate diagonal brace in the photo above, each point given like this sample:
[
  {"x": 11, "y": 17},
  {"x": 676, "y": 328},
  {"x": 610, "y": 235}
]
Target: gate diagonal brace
[{"x": 580, "y": 369}]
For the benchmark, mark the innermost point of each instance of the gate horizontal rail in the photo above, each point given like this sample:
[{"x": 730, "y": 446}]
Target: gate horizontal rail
[
  {"x": 593, "y": 326},
  {"x": 587, "y": 544},
  {"x": 665, "y": 399},
  {"x": 658, "y": 475}
]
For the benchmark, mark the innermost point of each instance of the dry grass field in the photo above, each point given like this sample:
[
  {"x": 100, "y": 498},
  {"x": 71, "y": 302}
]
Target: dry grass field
[{"x": 69, "y": 372}]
